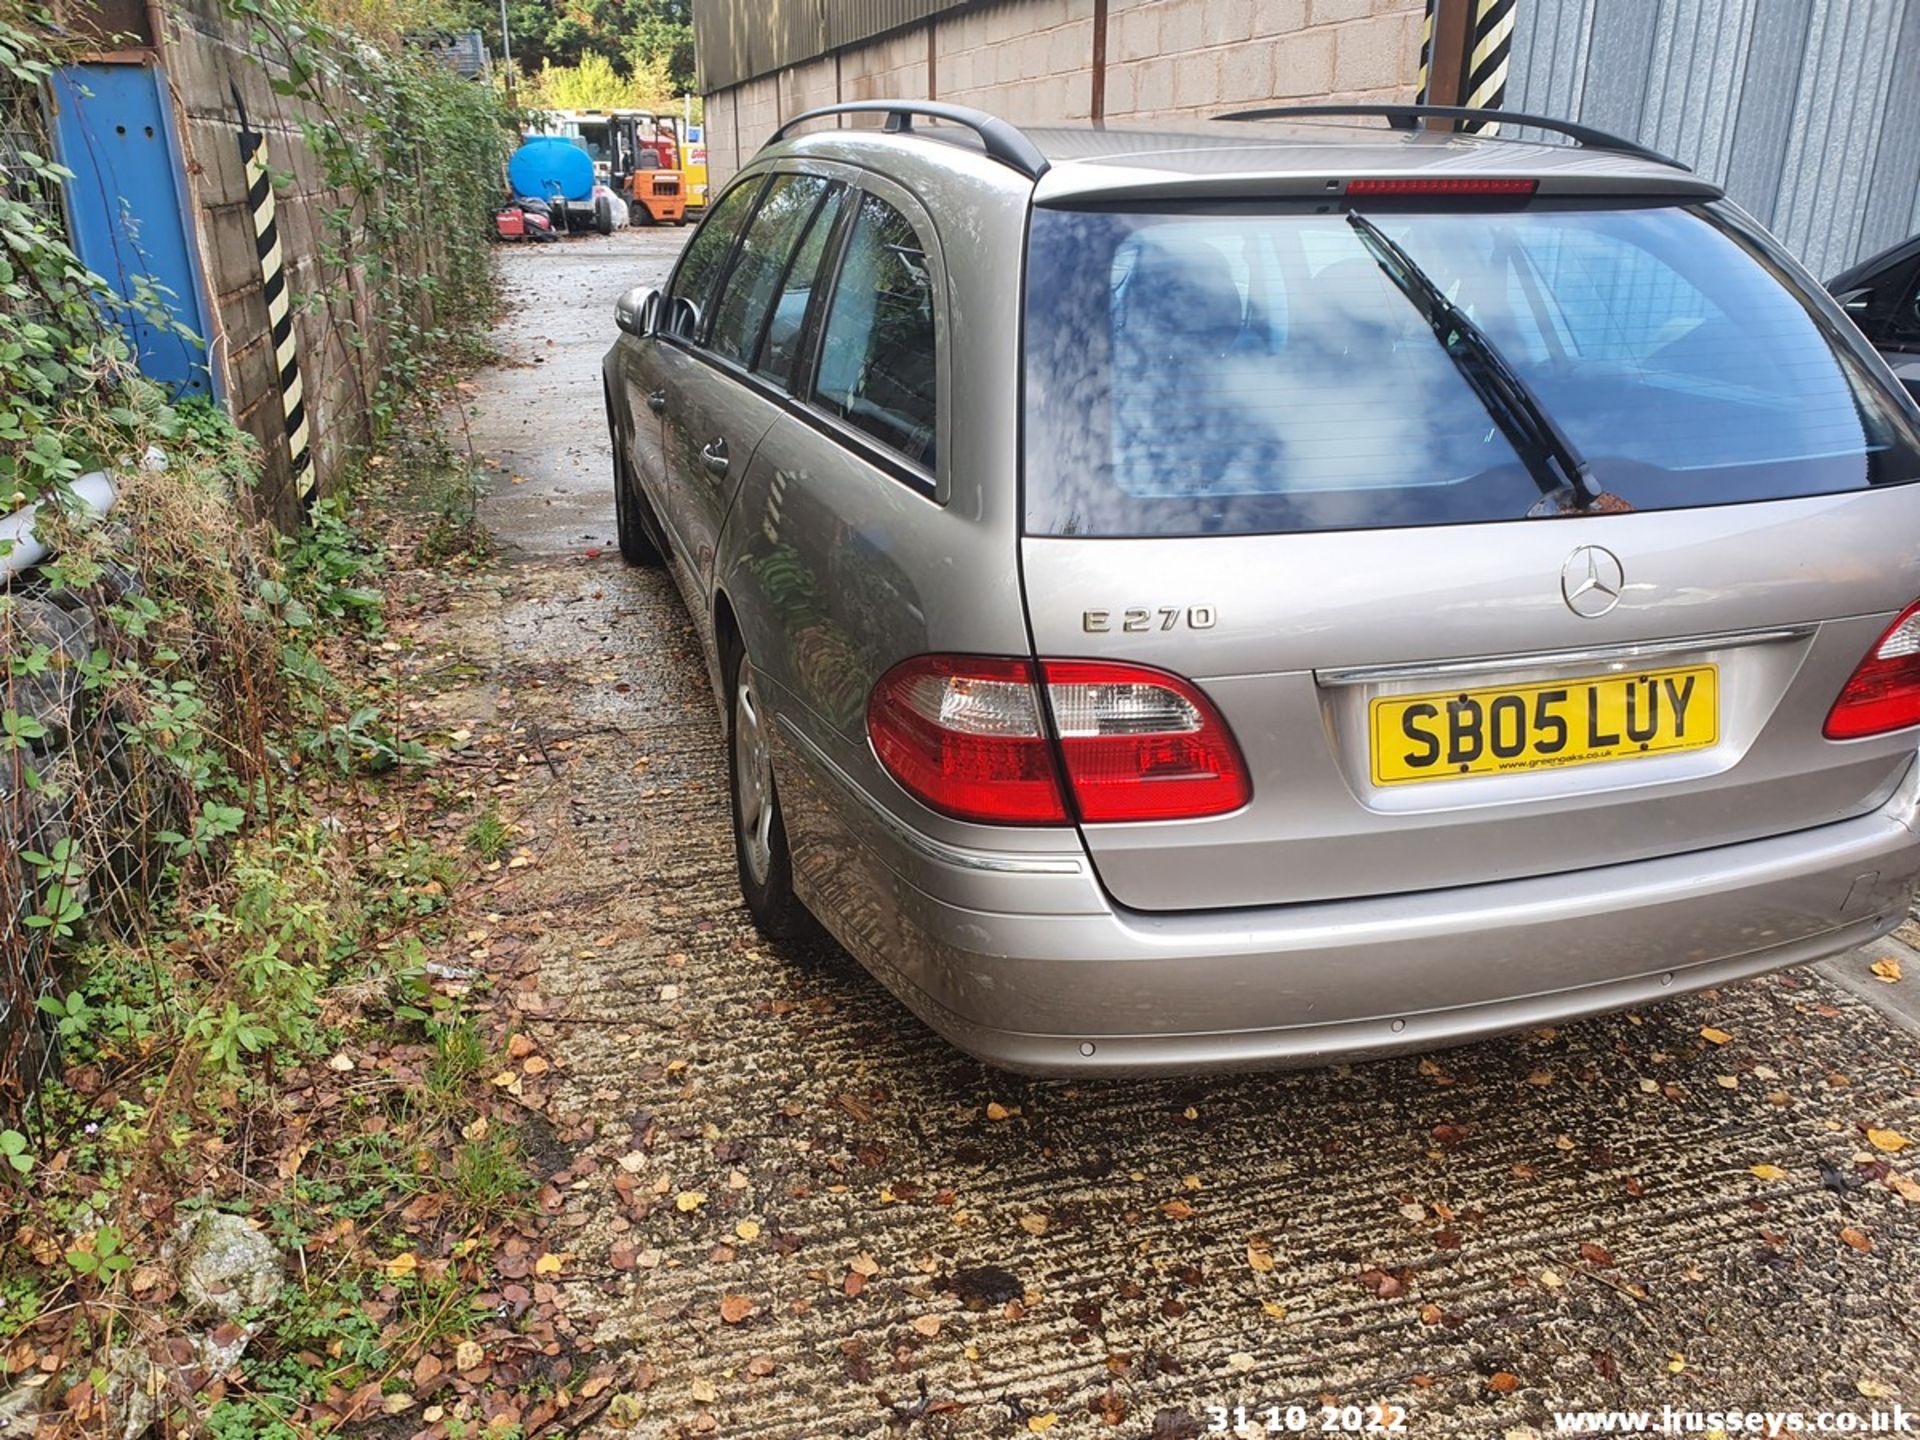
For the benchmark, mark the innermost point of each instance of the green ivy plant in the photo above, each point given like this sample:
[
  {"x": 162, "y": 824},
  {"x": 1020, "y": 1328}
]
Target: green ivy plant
[{"x": 416, "y": 157}]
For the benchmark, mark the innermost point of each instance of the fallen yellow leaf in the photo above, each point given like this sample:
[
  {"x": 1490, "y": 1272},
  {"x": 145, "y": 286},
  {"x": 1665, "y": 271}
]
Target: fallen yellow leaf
[
  {"x": 748, "y": 1230},
  {"x": 402, "y": 1265},
  {"x": 926, "y": 1325},
  {"x": 687, "y": 1201},
  {"x": 1906, "y": 1187},
  {"x": 1034, "y": 1224},
  {"x": 467, "y": 1355},
  {"x": 1040, "y": 1424},
  {"x": 1887, "y": 969},
  {"x": 1273, "y": 1309},
  {"x": 997, "y": 1111},
  {"x": 547, "y": 1264},
  {"x": 1714, "y": 1036},
  {"x": 1891, "y": 1141},
  {"x": 1260, "y": 1256},
  {"x": 1768, "y": 1172}
]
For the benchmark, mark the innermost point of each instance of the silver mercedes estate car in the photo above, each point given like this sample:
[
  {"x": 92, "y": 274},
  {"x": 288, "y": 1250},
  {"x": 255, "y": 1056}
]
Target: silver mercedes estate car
[{"x": 1279, "y": 589}]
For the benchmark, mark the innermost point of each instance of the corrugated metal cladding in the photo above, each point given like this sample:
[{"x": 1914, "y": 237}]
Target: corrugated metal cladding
[
  {"x": 1808, "y": 111},
  {"x": 735, "y": 40}
]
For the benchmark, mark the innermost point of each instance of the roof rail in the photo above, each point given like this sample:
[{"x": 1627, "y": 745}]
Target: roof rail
[
  {"x": 1407, "y": 117},
  {"x": 1003, "y": 141}
]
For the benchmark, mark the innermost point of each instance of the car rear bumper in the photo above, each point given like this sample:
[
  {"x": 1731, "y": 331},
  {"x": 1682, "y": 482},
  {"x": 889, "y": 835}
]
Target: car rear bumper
[{"x": 1098, "y": 990}]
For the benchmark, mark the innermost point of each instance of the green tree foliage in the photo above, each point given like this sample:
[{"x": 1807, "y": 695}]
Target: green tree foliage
[
  {"x": 594, "y": 84},
  {"x": 638, "y": 38}
]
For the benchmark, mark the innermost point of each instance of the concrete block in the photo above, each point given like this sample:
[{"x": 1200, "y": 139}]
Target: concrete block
[
  {"x": 1153, "y": 80},
  {"x": 1196, "y": 79},
  {"x": 1228, "y": 21},
  {"x": 1184, "y": 26},
  {"x": 1279, "y": 17},
  {"x": 1134, "y": 33},
  {"x": 1070, "y": 48},
  {"x": 1246, "y": 71},
  {"x": 1370, "y": 53},
  {"x": 1332, "y": 12},
  {"x": 1303, "y": 64}
]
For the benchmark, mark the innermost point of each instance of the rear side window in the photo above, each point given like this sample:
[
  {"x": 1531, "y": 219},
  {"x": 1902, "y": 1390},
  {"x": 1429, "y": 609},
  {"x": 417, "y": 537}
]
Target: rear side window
[
  {"x": 700, "y": 266},
  {"x": 876, "y": 367},
  {"x": 1249, "y": 373},
  {"x": 747, "y": 293}
]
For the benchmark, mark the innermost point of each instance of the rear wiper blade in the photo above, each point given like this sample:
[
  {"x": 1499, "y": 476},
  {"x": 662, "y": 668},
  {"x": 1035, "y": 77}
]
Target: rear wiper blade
[{"x": 1549, "y": 454}]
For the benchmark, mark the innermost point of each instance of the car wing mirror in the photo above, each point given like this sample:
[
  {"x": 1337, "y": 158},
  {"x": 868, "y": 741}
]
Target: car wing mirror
[
  {"x": 638, "y": 311},
  {"x": 1856, "y": 303}
]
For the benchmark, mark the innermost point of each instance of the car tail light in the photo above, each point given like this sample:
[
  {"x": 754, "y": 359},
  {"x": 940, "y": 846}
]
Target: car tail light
[
  {"x": 1884, "y": 692},
  {"x": 1461, "y": 185},
  {"x": 1141, "y": 744},
  {"x": 966, "y": 736}
]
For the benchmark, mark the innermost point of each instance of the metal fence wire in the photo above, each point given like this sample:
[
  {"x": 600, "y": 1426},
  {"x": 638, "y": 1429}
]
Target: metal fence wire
[{"x": 23, "y": 131}]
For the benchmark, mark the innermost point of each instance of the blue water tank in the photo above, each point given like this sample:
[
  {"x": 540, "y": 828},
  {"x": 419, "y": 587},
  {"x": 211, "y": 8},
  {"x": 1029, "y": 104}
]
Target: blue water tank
[{"x": 547, "y": 167}]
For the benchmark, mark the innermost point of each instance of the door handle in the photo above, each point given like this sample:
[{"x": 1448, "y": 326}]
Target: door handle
[
  {"x": 657, "y": 401},
  {"x": 713, "y": 456}
]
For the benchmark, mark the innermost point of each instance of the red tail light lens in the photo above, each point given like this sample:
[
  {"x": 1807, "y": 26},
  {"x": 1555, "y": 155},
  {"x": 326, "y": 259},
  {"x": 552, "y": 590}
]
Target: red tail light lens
[
  {"x": 1884, "y": 693},
  {"x": 966, "y": 737},
  {"x": 1141, "y": 744}
]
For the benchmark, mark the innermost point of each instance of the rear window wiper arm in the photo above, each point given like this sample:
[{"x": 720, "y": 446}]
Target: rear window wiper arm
[{"x": 1547, "y": 451}]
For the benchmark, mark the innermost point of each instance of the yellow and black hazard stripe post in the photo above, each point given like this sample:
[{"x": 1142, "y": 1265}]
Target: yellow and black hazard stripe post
[
  {"x": 1489, "y": 43},
  {"x": 273, "y": 281},
  {"x": 1420, "y": 96}
]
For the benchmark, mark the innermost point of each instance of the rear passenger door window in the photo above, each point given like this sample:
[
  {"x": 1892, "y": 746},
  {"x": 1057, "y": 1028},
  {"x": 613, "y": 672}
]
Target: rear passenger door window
[
  {"x": 877, "y": 368},
  {"x": 783, "y": 339},
  {"x": 747, "y": 294},
  {"x": 687, "y": 294}
]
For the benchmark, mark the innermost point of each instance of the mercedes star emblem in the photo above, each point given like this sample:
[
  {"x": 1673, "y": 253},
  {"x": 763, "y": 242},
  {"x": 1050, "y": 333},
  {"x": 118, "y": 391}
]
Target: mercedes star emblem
[{"x": 1591, "y": 581}]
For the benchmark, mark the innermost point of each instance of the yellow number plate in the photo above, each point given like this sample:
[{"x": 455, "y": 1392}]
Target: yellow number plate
[{"x": 1514, "y": 728}]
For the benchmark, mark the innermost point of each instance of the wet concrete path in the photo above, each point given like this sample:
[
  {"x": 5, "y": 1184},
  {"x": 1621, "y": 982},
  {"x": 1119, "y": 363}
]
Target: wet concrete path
[{"x": 793, "y": 1212}]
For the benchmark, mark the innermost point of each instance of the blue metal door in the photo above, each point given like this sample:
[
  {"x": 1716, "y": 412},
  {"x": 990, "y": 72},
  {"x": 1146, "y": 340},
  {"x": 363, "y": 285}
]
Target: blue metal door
[{"x": 126, "y": 206}]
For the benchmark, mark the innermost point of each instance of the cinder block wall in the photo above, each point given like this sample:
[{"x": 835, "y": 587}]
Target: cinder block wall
[
  {"x": 1031, "y": 61},
  {"x": 208, "y": 58}
]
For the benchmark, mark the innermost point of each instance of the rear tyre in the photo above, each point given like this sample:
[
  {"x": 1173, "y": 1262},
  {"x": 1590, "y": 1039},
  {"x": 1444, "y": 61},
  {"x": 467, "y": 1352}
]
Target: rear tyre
[
  {"x": 603, "y": 215},
  {"x": 632, "y": 514},
  {"x": 759, "y": 830},
  {"x": 680, "y": 219}
]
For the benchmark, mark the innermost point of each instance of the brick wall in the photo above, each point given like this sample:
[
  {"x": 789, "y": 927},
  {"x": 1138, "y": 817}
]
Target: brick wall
[
  {"x": 1031, "y": 61},
  {"x": 209, "y": 58}
]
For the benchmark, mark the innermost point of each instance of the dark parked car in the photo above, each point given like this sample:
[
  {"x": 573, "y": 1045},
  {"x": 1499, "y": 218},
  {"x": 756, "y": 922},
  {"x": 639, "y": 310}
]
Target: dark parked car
[{"x": 1882, "y": 294}]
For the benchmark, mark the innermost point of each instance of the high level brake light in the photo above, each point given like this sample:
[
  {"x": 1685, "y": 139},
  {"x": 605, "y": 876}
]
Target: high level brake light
[
  {"x": 1443, "y": 185},
  {"x": 1884, "y": 692},
  {"x": 966, "y": 736}
]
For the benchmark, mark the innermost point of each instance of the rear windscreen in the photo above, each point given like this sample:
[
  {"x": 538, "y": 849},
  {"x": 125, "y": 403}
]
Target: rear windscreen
[{"x": 1246, "y": 373}]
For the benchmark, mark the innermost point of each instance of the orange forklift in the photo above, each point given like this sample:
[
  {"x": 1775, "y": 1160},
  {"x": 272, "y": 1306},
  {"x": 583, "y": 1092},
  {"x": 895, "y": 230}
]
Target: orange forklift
[{"x": 653, "y": 176}]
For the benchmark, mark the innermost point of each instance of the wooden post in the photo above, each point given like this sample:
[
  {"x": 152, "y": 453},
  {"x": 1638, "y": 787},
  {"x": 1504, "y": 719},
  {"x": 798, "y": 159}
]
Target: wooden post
[{"x": 1447, "y": 68}]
